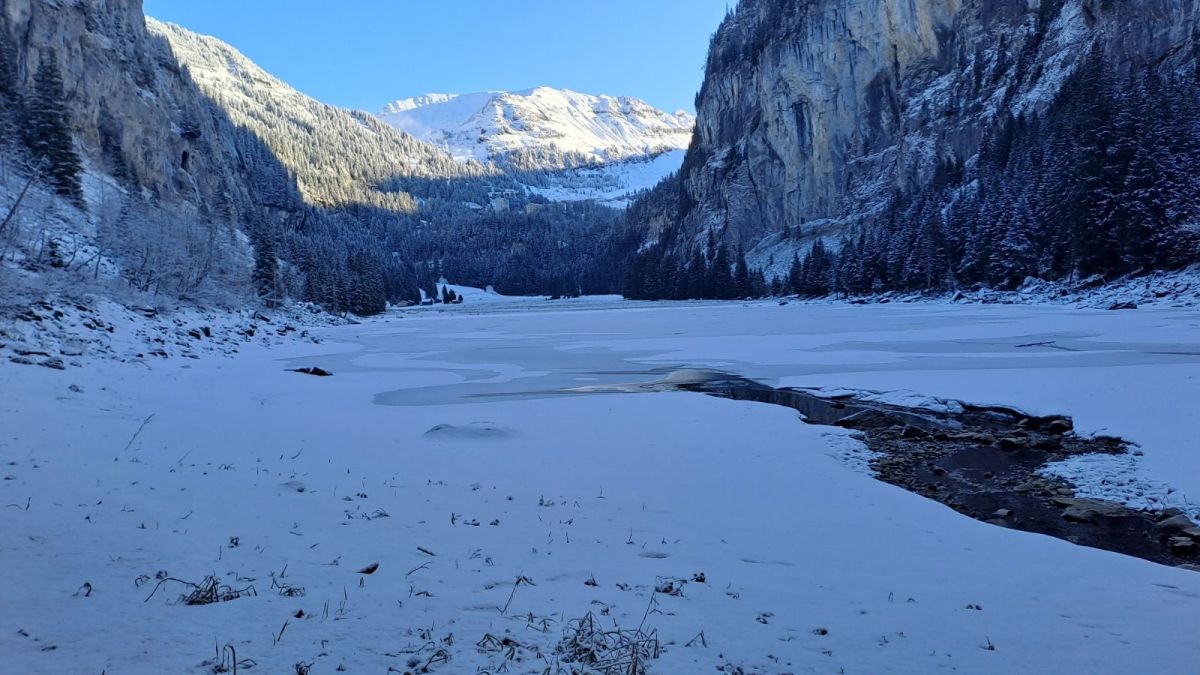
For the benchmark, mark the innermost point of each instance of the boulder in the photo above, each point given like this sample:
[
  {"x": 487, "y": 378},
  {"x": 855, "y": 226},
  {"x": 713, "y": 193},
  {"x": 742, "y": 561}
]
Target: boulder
[
  {"x": 1079, "y": 514},
  {"x": 1059, "y": 427},
  {"x": 1012, "y": 443},
  {"x": 1122, "y": 305},
  {"x": 1182, "y": 545},
  {"x": 319, "y": 372},
  {"x": 1174, "y": 524},
  {"x": 1086, "y": 510}
]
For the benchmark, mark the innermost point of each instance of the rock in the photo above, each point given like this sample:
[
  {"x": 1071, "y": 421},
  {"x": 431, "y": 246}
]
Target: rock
[
  {"x": 1012, "y": 443},
  {"x": 1169, "y": 512},
  {"x": 1182, "y": 545},
  {"x": 1087, "y": 510},
  {"x": 1192, "y": 532},
  {"x": 972, "y": 437},
  {"x": 195, "y": 334},
  {"x": 23, "y": 351},
  {"x": 76, "y": 389},
  {"x": 24, "y": 361},
  {"x": 55, "y": 363},
  {"x": 1122, "y": 305},
  {"x": 1059, "y": 427},
  {"x": 865, "y": 419},
  {"x": 1002, "y": 513},
  {"x": 1174, "y": 524},
  {"x": 914, "y": 432},
  {"x": 319, "y": 372},
  {"x": 1048, "y": 443},
  {"x": 1079, "y": 514}
]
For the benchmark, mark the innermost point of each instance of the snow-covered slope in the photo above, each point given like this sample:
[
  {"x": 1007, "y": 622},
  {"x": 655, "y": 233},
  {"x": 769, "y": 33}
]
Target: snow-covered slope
[
  {"x": 541, "y": 128},
  {"x": 337, "y": 155}
]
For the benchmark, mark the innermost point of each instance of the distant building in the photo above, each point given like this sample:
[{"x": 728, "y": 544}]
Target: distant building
[
  {"x": 533, "y": 207},
  {"x": 499, "y": 204}
]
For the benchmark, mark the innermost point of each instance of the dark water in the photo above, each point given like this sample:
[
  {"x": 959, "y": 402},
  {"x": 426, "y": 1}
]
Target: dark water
[{"x": 982, "y": 462}]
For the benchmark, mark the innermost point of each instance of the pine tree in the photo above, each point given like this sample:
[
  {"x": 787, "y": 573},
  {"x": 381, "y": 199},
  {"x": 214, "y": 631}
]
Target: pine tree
[
  {"x": 795, "y": 275},
  {"x": 266, "y": 268},
  {"x": 741, "y": 277},
  {"x": 722, "y": 276},
  {"x": 47, "y": 134},
  {"x": 696, "y": 275},
  {"x": 10, "y": 99}
]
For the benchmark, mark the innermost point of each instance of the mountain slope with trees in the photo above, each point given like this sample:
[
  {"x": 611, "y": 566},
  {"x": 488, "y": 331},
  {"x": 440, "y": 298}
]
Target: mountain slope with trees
[
  {"x": 184, "y": 171},
  {"x": 973, "y": 143}
]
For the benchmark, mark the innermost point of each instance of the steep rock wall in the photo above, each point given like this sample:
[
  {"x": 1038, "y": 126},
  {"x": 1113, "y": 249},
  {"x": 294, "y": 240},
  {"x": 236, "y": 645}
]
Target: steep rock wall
[{"x": 814, "y": 113}]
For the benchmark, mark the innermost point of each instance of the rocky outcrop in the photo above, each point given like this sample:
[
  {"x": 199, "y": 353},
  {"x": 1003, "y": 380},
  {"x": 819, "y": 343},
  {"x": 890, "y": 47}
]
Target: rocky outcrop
[
  {"x": 134, "y": 111},
  {"x": 814, "y": 113}
]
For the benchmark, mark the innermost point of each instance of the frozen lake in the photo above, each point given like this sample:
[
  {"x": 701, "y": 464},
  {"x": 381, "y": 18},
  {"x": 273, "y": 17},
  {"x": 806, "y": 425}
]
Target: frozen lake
[{"x": 444, "y": 433}]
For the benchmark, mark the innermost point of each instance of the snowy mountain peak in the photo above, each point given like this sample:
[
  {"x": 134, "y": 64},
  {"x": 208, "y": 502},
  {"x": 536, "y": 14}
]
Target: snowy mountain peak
[{"x": 543, "y": 128}]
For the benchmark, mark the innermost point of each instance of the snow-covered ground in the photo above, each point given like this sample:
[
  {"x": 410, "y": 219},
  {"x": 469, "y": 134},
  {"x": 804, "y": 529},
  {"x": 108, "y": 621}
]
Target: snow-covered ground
[
  {"x": 441, "y": 450},
  {"x": 615, "y": 184}
]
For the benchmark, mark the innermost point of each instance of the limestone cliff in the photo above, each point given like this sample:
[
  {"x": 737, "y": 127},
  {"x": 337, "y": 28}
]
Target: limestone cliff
[
  {"x": 814, "y": 113},
  {"x": 133, "y": 110}
]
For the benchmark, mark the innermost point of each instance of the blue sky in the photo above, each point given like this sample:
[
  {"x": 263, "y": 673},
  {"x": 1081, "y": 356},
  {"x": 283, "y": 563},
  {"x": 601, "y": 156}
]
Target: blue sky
[{"x": 365, "y": 53}]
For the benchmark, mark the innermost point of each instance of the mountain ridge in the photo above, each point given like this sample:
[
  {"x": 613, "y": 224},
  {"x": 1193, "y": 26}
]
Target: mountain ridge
[{"x": 542, "y": 127}]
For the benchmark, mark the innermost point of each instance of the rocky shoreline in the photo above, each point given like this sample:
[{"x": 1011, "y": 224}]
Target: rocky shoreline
[{"x": 986, "y": 463}]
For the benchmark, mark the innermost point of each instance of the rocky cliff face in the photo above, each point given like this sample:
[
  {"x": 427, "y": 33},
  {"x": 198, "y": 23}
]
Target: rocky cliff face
[
  {"x": 133, "y": 110},
  {"x": 815, "y": 112}
]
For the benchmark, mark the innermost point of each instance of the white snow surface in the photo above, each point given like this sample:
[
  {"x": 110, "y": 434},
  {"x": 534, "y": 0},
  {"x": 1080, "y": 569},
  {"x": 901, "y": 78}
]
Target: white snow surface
[
  {"x": 443, "y": 433},
  {"x": 616, "y": 184},
  {"x": 490, "y": 125}
]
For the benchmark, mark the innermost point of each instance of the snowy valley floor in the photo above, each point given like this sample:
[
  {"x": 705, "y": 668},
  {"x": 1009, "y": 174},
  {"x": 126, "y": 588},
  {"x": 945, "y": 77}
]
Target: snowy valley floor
[{"x": 443, "y": 450}]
